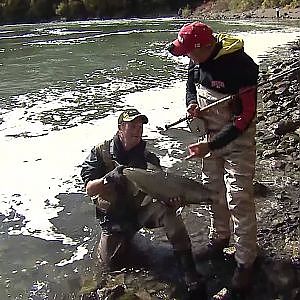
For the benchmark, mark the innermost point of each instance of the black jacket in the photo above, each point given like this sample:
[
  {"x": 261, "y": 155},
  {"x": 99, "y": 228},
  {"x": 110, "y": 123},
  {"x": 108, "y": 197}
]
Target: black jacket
[
  {"x": 94, "y": 166},
  {"x": 229, "y": 70},
  {"x": 123, "y": 214}
]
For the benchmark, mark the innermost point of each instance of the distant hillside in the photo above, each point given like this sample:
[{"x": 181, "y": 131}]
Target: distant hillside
[{"x": 244, "y": 5}]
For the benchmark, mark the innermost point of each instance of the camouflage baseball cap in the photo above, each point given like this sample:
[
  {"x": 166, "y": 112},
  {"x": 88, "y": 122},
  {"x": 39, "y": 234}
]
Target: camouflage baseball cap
[{"x": 129, "y": 115}]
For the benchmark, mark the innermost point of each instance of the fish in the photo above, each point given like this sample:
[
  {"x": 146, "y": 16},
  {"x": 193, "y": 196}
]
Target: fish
[
  {"x": 116, "y": 190},
  {"x": 163, "y": 185}
]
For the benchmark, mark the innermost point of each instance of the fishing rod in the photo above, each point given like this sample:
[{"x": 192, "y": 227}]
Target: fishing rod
[
  {"x": 230, "y": 97},
  {"x": 222, "y": 100}
]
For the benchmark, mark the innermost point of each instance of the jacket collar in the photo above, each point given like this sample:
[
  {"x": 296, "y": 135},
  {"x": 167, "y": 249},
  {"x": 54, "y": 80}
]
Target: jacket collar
[{"x": 125, "y": 157}]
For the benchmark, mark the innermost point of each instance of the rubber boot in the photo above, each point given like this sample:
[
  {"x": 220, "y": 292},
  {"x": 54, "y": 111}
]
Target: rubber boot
[
  {"x": 242, "y": 278},
  {"x": 213, "y": 249},
  {"x": 193, "y": 282}
]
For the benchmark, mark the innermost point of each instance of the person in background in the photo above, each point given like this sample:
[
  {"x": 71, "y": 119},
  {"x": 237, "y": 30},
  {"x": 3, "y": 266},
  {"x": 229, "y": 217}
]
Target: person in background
[
  {"x": 219, "y": 67},
  {"x": 120, "y": 213},
  {"x": 277, "y": 12},
  {"x": 179, "y": 13}
]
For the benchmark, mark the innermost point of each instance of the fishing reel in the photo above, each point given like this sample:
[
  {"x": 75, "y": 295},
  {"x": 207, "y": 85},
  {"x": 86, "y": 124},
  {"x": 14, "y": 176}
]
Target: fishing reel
[{"x": 197, "y": 126}]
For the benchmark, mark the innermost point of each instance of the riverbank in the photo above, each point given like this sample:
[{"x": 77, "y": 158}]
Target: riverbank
[{"x": 210, "y": 11}]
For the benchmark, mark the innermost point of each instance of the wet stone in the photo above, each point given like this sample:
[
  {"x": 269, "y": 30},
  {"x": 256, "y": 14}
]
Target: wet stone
[
  {"x": 273, "y": 119},
  {"x": 272, "y": 103},
  {"x": 283, "y": 90},
  {"x": 268, "y": 97},
  {"x": 278, "y": 222},
  {"x": 286, "y": 126},
  {"x": 260, "y": 190},
  {"x": 268, "y": 138},
  {"x": 269, "y": 153}
]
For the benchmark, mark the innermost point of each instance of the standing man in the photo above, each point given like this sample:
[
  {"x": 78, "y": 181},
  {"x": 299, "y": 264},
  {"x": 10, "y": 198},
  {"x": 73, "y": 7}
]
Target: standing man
[
  {"x": 219, "y": 67},
  {"x": 120, "y": 211},
  {"x": 179, "y": 13},
  {"x": 277, "y": 12}
]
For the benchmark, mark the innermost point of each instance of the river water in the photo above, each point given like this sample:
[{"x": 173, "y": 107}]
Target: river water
[{"x": 62, "y": 87}]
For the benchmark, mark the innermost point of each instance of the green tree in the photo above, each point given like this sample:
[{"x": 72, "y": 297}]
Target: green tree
[
  {"x": 1, "y": 10},
  {"x": 95, "y": 8},
  {"x": 281, "y": 3},
  {"x": 15, "y": 10},
  {"x": 42, "y": 9},
  {"x": 71, "y": 10},
  {"x": 109, "y": 8},
  {"x": 270, "y": 3},
  {"x": 295, "y": 3},
  {"x": 186, "y": 11},
  {"x": 243, "y": 5}
]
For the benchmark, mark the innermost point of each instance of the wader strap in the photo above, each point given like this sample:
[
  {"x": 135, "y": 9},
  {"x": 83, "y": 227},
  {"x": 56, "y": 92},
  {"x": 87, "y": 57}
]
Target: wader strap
[{"x": 105, "y": 151}]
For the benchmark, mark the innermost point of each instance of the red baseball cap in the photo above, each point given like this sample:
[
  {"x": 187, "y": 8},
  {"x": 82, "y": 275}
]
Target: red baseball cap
[{"x": 191, "y": 36}]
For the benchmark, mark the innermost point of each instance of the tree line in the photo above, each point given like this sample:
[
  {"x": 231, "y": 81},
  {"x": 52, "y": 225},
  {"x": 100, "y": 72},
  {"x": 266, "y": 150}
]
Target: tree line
[
  {"x": 21, "y": 11},
  {"x": 16, "y": 11}
]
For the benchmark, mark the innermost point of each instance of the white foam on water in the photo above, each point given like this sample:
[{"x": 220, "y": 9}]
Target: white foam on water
[{"x": 258, "y": 43}]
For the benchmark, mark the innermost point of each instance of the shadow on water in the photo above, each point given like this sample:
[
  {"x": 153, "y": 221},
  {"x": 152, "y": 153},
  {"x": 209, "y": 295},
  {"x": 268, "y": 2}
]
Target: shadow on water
[{"x": 44, "y": 260}]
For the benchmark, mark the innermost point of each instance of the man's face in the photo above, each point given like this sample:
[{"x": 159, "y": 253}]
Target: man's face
[
  {"x": 131, "y": 132},
  {"x": 199, "y": 55}
]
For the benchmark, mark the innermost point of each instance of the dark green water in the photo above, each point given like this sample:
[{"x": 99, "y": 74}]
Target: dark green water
[{"x": 61, "y": 89}]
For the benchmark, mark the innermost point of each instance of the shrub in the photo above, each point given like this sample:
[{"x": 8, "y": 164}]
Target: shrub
[{"x": 186, "y": 11}]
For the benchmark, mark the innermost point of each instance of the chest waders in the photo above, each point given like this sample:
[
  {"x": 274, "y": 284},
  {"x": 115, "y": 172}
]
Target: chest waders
[{"x": 103, "y": 151}]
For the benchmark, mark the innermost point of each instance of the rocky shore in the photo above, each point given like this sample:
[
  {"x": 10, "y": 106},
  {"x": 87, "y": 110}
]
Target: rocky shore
[
  {"x": 211, "y": 11},
  {"x": 278, "y": 153}
]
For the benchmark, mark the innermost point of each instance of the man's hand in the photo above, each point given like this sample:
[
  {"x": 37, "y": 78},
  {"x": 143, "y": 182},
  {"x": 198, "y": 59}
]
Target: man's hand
[
  {"x": 198, "y": 150},
  {"x": 193, "y": 111},
  {"x": 99, "y": 187},
  {"x": 174, "y": 202},
  {"x": 116, "y": 176},
  {"x": 107, "y": 184}
]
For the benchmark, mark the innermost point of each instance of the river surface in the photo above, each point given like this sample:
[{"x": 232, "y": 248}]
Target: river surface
[{"x": 62, "y": 87}]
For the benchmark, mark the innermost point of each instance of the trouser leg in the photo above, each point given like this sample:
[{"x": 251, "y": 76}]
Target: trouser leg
[
  {"x": 213, "y": 179},
  {"x": 156, "y": 215},
  {"x": 240, "y": 167},
  {"x": 192, "y": 280},
  {"x": 176, "y": 231},
  {"x": 112, "y": 248}
]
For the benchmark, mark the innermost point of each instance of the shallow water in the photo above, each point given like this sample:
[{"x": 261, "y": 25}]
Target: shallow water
[{"x": 62, "y": 87}]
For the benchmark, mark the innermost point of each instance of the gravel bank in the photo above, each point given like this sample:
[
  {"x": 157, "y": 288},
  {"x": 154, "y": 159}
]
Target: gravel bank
[{"x": 211, "y": 11}]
